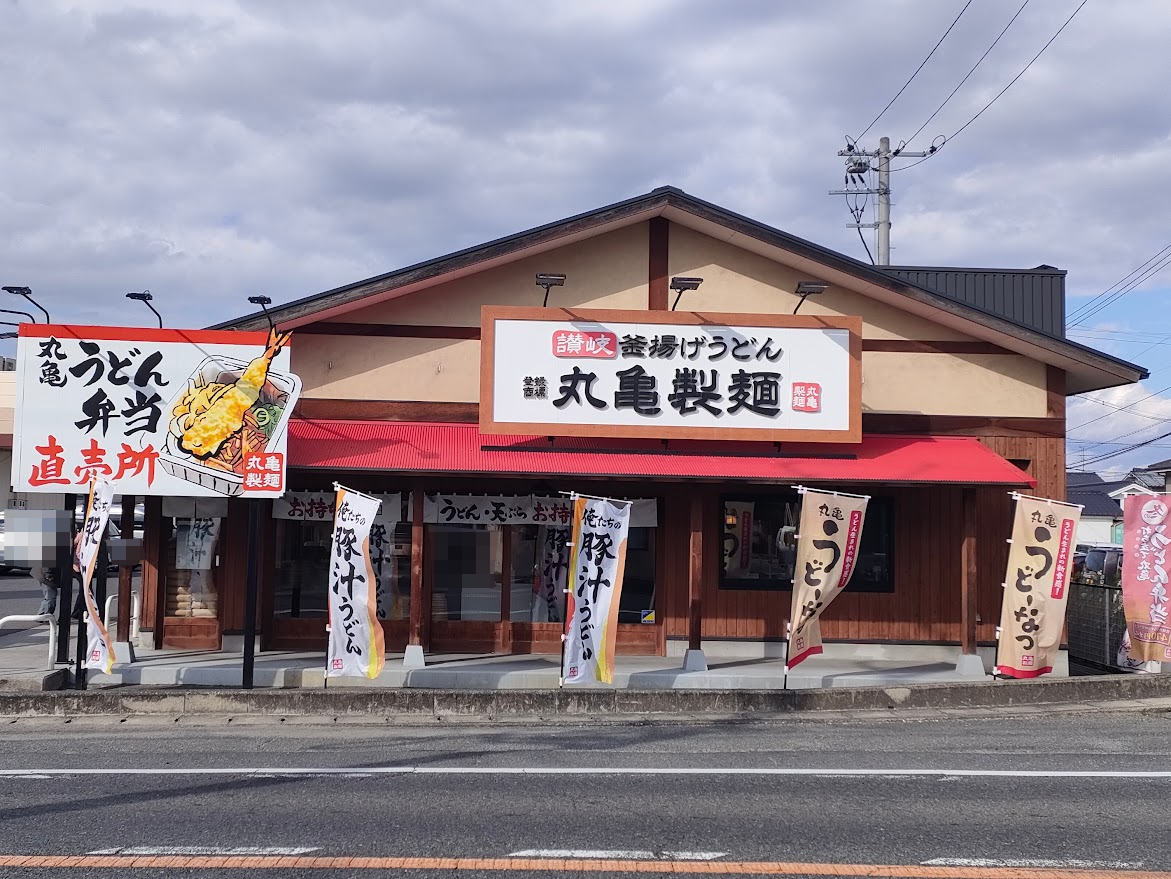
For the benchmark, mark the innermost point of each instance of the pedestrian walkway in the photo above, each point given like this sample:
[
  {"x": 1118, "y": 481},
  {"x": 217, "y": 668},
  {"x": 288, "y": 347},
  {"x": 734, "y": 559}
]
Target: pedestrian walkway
[{"x": 289, "y": 669}]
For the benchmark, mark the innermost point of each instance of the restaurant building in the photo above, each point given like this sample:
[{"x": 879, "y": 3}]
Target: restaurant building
[{"x": 695, "y": 361}]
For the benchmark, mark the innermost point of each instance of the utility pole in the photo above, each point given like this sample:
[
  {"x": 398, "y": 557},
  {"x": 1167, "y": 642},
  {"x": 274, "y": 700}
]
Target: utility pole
[{"x": 857, "y": 165}]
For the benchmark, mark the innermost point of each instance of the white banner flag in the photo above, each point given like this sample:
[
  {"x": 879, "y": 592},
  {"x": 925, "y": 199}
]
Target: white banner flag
[
  {"x": 356, "y": 644},
  {"x": 101, "y": 498},
  {"x": 597, "y": 560}
]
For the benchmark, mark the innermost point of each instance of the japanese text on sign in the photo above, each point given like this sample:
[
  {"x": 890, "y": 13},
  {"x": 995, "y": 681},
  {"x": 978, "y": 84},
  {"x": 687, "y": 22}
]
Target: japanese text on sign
[
  {"x": 632, "y": 378},
  {"x": 181, "y": 413}
]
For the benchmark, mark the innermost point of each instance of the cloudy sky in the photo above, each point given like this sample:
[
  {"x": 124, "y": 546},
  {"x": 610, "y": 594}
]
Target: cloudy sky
[{"x": 212, "y": 150}]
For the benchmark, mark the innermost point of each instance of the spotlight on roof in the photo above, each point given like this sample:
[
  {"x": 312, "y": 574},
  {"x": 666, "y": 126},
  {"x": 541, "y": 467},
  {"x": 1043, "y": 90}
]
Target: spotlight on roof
[
  {"x": 27, "y": 293},
  {"x": 145, "y": 298},
  {"x": 263, "y": 302},
  {"x": 806, "y": 289},
  {"x": 680, "y": 284},
  {"x": 547, "y": 280}
]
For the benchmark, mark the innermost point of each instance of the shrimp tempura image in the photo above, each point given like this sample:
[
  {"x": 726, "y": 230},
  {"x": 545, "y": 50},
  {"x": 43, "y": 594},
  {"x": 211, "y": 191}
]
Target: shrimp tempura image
[{"x": 205, "y": 431}]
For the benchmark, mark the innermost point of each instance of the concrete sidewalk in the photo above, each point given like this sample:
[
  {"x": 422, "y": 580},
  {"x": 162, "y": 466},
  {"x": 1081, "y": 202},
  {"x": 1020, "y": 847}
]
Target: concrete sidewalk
[{"x": 289, "y": 669}]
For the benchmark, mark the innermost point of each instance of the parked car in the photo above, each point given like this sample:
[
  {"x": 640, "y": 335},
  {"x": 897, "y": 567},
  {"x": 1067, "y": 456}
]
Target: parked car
[
  {"x": 5, "y": 568},
  {"x": 1098, "y": 565}
]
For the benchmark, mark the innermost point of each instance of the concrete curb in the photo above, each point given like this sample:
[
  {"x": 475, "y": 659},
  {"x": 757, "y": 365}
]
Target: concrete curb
[{"x": 535, "y": 704}]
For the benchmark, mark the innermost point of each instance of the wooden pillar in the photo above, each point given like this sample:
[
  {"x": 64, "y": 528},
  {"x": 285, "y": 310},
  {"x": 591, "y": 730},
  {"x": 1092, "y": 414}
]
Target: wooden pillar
[
  {"x": 153, "y": 600},
  {"x": 657, "y": 280},
  {"x": 695, "y": 573},
  {"x": 504, "y": 639},
  {"x": 415, "y": 636},
  {"x": 968, "y": 575},
  {"x": 125, "y": 571}
]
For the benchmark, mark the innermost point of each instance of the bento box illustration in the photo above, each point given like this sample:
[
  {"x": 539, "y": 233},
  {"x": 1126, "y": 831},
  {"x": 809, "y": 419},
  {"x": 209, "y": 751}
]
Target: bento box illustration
[{"x": 227, "y": 410}]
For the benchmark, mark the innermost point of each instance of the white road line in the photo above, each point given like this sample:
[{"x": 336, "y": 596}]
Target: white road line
[
  {"x": 1033, "y": 863},
  {"x": 195, "y": 850},
  {"x": 615, "y": 855},
  {"x": 363, "y": 771}
]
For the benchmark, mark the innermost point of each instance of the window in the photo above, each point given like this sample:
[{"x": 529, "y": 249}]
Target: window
[
  {"x": 760, "y": 544},
  {"x": 466, "y": 565},
  {"x": 302, "y": 578}
]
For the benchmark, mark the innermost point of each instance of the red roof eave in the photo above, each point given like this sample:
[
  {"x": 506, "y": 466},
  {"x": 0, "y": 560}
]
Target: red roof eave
[{"x": 460, "y": 449}]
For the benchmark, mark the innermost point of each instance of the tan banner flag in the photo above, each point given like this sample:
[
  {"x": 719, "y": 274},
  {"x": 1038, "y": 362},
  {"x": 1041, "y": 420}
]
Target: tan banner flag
[
  {"x": 1036, "y": 587},
  {"x": 597, "y": 562},
  {"x": 97, "y": 512},
  {"x": 357, "y": 645},
  {"x": 1146, "y": 576},
  {"x": 827, "y": 552}
]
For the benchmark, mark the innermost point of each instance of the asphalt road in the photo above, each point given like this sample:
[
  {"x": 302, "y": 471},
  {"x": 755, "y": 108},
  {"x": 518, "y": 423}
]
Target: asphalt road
[{"x": 327, "y": 792}]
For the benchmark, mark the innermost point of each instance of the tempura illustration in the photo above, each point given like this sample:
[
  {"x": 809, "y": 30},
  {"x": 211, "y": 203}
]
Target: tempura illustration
[{"x": 215, "y": 420}]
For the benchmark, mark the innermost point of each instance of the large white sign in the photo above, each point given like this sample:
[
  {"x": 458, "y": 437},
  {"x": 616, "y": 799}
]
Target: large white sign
[
  {"x": 184, "y": 413},
  {"x": 665, "y": 375}
]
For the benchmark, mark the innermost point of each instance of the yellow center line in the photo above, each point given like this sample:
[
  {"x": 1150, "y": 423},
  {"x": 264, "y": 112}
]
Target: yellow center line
[{"x": 743, "y": 868}]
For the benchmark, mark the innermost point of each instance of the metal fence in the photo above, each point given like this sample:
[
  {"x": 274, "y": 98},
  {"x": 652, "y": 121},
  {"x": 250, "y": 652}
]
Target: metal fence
[{"x": 1095, "y": 623}]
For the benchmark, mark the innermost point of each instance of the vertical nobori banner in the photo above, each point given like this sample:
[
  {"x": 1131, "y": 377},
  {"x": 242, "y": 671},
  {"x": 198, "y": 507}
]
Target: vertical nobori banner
[
  {"x": 357, "y": 647},
  {"x": 1145, "y": 576},
  {"x": 827, "y": 552},
  {"x": 596, "y": 562},
  {"x": 1036, "y": 587},
  {"x": 97, "y": 512}
]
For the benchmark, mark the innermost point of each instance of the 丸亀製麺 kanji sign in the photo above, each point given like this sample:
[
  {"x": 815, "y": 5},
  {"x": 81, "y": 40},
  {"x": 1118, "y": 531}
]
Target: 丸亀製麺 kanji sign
[
  {"x": 159, "y": 412},
  {"x": 667, "y": 374}
]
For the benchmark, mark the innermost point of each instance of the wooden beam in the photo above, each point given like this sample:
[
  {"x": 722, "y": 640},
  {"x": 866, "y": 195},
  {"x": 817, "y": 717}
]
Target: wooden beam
[
  {"x": 695, "y": 574},
  {"x": 969, "y": 575},
  {"x": 393, "y": 331},
  {"x": 657, "y": 282},
  {"x": 415, "y": 635},
  {"x": 1055, "y": 392},
  {"x": 926, "y": 346},
  {"x": 387, "y": 410},
  {"x": 125, "y": 572}
]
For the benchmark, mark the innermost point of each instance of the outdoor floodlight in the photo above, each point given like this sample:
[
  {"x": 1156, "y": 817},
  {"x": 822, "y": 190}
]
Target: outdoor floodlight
[
  {"x": 679, "y": 284},
  {"x": 808, "y": 288},
  {"x": 144, "y": 297},
  {"x": 27, "y": 293},
  {"x": 547, "y": 280},
  {"x": 263, "y": 301}
]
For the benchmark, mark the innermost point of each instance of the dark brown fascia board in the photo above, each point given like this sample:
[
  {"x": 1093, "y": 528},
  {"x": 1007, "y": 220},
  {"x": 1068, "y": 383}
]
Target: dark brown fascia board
[{"x": 652, "y": 204}]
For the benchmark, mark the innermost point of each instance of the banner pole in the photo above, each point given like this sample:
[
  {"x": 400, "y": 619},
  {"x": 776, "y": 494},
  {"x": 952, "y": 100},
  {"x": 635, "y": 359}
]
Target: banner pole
[
  {"x": 801, "y": 489},
  {"x": 1016, "y": 495},
  {"x": 250, "y": 595},
  {"x": 788, "y": 647},
  {"x": 594, "y": 497}
]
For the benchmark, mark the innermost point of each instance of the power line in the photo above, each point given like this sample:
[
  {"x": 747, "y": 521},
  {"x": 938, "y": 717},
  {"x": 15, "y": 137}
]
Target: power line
[
  {"x": 935, "y": 150},
  {"x": 917, "y": 69},
  {"x": 1022, "y": 73},
  {"x": 969, "y": 73},
  {"x": 1108, "y": 414},
  {"x": 1085, "y": 305},
  {"x": 1130, "y": 282},
  {"x": 1127, "y": 450}
]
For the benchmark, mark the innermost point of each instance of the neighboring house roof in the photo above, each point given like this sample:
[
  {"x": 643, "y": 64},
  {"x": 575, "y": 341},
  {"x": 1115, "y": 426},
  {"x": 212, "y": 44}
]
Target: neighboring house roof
[
  {"x": 1129, "y": 488},
  {"x": 1147, "y": 478},
  {"x": 1081, "y": 477},
  {"x": 1086, "y": 369},
  {"x": 1159, "y": 467},
  {"x": 1095, "y": 503}
]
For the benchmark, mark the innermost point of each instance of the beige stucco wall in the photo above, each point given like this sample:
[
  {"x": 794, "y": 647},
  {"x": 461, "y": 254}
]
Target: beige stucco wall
[
  {"x": 353, "y": 368},
  {"x": 992, "y": 385},
  {"x": 609, "y": 271},
  {"x": 737, "y": 280}
]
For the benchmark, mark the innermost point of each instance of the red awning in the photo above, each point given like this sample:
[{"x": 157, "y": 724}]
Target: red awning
[{"x": 406, "y": 447}]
